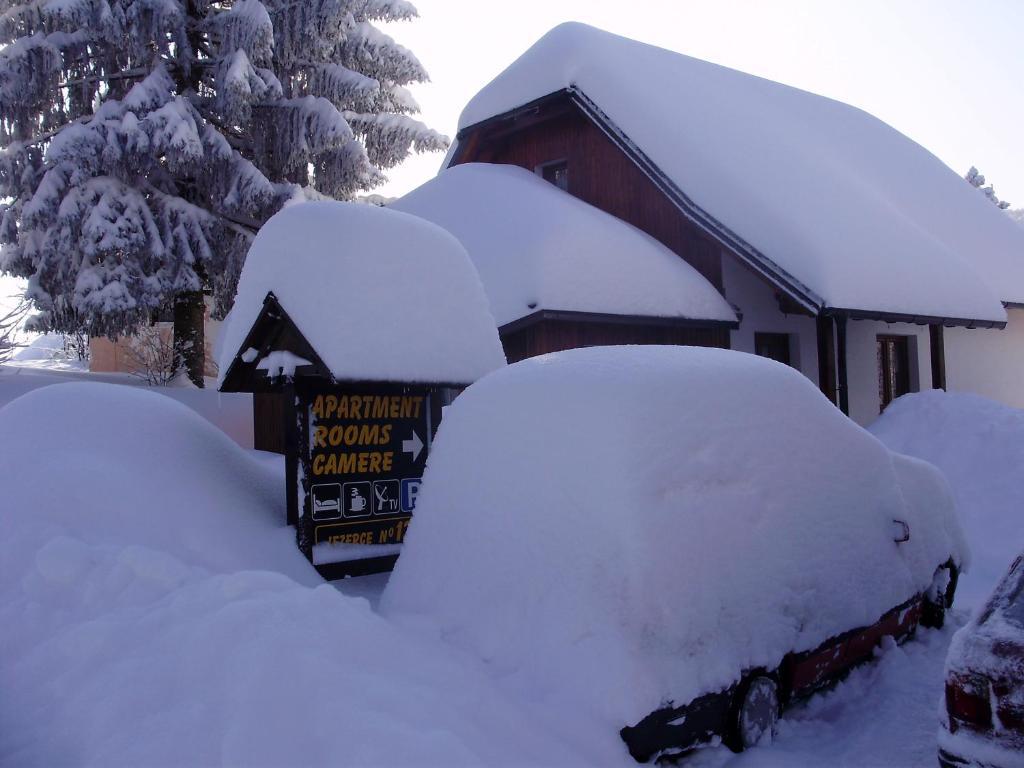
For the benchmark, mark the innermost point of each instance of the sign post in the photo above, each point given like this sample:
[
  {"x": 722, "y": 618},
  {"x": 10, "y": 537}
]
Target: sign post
[
  {"x": 363, "y": 449},
  {"x": 354, "y": 325}
]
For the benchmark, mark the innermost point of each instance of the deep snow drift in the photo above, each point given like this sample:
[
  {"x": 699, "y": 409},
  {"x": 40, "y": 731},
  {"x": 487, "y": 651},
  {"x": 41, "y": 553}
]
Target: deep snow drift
[
  {"x": 157, "y": 612},
  {"x": 141, "y": 629},
  {"x": 539, "y": 248},
  {"x": 624, "y": 527},
  {"x": 979, "y": 445},
  {"x": 380, "y": 295}
]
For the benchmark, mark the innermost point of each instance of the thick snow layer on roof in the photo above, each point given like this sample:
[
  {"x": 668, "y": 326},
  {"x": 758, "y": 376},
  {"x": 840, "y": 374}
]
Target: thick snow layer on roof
[
  {"x": 379, "y": 294},
  {"x": 857, "y": 212},
  {"x": 536, "y": 248},
  {"x": 626, "y": 526}
]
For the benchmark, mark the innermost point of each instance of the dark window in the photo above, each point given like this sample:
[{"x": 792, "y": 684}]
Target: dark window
[
  {"x": 893, "y": 369},
  {"x": 773, "y": 345},
  {"x": 557, "y": 173}
]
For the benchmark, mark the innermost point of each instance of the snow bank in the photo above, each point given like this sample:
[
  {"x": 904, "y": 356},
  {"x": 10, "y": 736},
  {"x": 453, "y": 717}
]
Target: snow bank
[
  {"x": 830, "y": 194},
  {"x": 380, "y": 295},
  {"x": 537, "y": 248},
  {"x": 121, "y": 466},
  {"x": 979, "y": 445},
  {"x": 45, "y": 346},
  {"x": 620, "y": 527},
  {"x": 157, "y": 612},
  {"x": 229, "y": 412}
]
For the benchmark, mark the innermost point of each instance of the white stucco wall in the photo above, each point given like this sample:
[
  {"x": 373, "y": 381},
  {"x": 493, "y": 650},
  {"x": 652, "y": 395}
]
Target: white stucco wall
[
  {"x": 862, "y": 363},
  {"x": 988, "y": 362},
  {"x": 760, "y": 313}
]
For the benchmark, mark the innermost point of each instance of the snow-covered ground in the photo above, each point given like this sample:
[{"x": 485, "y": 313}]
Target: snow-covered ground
[{"x": 156, "y": 612}]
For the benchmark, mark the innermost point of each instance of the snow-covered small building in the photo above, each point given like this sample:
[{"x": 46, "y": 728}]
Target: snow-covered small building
[
  {"x": 560, "y": 273},
  {"x": 846, "y": 248},
  {"x": 352, "y": 325}
]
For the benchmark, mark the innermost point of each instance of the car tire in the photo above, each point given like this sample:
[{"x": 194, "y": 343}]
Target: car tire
[
  {"x": 939, "y": 596},
  {"x": 755, "y": 713}
]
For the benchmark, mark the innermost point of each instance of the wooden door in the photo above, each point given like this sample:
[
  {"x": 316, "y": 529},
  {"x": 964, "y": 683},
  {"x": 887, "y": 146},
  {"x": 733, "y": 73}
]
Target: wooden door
[{"x": 893, "y": 369}]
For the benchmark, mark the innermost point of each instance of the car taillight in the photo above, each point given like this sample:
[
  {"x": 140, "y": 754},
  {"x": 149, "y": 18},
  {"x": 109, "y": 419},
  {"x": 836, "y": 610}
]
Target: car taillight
[
  {"x": 1010, "y": 706},
  {"x": 968, "y": 700}
]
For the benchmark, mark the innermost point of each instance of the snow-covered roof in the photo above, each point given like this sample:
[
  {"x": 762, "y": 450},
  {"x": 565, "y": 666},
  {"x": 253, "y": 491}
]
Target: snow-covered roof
[
  {"x": 538, "y": 248},
  {"x": 854, "y": 214},
  {"x": 380, "y": 295}
]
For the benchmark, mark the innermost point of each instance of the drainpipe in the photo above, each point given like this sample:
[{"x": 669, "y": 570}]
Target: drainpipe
[{"x": 842, "y": 386}]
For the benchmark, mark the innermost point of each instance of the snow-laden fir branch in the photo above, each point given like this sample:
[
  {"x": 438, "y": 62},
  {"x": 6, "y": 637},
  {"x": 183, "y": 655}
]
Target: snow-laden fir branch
[{"x": 143, "y": 142}]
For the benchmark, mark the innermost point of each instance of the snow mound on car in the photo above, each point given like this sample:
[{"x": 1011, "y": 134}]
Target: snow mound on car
[{"x": 624, "y": 527}]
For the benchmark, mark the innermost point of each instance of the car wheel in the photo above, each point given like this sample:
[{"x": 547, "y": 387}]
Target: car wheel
[
  {"x": 755, "y": 713},
  {"x": 939, "y": 596}
]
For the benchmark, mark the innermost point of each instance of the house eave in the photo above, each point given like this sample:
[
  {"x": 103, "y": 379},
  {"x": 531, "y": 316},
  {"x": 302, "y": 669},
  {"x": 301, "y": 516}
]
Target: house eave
[
  {"x": 914, "y": 319},
  {"x": 559, "y": 315},
  {"x": 265, "y": 336}
]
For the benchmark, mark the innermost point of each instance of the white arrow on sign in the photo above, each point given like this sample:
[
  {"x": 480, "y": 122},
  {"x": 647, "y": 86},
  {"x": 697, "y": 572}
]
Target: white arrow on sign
[{"x": 413, "y": 445}]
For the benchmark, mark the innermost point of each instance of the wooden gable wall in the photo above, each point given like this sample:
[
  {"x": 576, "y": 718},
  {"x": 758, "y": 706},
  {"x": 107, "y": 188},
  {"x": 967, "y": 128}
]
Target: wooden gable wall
[
  {"x": 599, "y": 173},
  {"x": 550, "y": 335}
]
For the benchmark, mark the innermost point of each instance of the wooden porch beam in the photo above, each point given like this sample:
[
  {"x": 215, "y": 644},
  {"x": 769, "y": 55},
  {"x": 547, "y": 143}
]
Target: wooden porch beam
[
  {"x": 826, "y": 357},
  {"x": 842, "y": 384},
  {"x": 936, "y": 336}
]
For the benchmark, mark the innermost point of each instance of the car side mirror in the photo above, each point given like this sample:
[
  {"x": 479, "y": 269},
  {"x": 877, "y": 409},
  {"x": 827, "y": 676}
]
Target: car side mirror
[{"x": 900, "y": 531}]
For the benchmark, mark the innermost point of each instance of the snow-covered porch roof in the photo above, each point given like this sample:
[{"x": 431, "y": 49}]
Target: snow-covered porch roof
[
  {"x": 831, "y": 205},
  {"x": 541, "y": 252},
  {"x": 353, "y": 292}
]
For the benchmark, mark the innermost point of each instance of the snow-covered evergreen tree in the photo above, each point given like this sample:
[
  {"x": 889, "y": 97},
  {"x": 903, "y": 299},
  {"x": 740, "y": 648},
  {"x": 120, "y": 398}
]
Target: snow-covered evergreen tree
[
  {"x": 977, "y": 180},
  {"x": 145, "y": 141}
]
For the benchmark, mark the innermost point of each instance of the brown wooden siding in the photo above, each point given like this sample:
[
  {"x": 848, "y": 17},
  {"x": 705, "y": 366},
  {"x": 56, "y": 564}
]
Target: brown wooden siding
[
  {"x": 599, "y": 173},
  {"x": 268, "y": 421},
  {"x": 555, "y": 335}
]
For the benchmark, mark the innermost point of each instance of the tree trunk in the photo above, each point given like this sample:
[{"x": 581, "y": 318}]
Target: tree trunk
[{"x": 189, "y": 340}]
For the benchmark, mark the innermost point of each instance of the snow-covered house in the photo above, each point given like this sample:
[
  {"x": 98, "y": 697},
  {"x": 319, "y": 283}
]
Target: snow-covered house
[
  {"x": 560, "y": 273},
  {"x": 845, "y": 248}
]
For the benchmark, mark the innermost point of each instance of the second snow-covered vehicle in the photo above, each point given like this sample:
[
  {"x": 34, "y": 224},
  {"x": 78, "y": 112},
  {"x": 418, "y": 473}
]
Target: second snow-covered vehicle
[
  {"x": 983, "y": 725},
  {"x": 671, "y": 542}
]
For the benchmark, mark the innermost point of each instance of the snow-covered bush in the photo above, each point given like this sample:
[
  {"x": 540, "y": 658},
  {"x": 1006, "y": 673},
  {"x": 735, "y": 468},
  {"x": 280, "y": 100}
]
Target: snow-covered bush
[{"x": 11, "y": 320}]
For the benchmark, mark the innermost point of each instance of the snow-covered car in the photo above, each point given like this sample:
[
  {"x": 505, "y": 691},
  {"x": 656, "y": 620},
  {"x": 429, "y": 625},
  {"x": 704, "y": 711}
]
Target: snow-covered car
[
  {"x": 673, "y": 543},
  {"x": 984, "y": 719}
]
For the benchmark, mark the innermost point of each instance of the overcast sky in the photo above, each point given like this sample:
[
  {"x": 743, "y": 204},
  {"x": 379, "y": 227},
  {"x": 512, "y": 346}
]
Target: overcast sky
[{"x": 947, "y": 73}]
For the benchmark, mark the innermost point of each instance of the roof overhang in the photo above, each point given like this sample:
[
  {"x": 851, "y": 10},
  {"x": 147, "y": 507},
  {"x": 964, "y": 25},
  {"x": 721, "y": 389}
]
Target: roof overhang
[
  {"x": 896, "y": 317},
  {"x": 558, "y": 315},
  {"x": 274, "y": 331}
]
